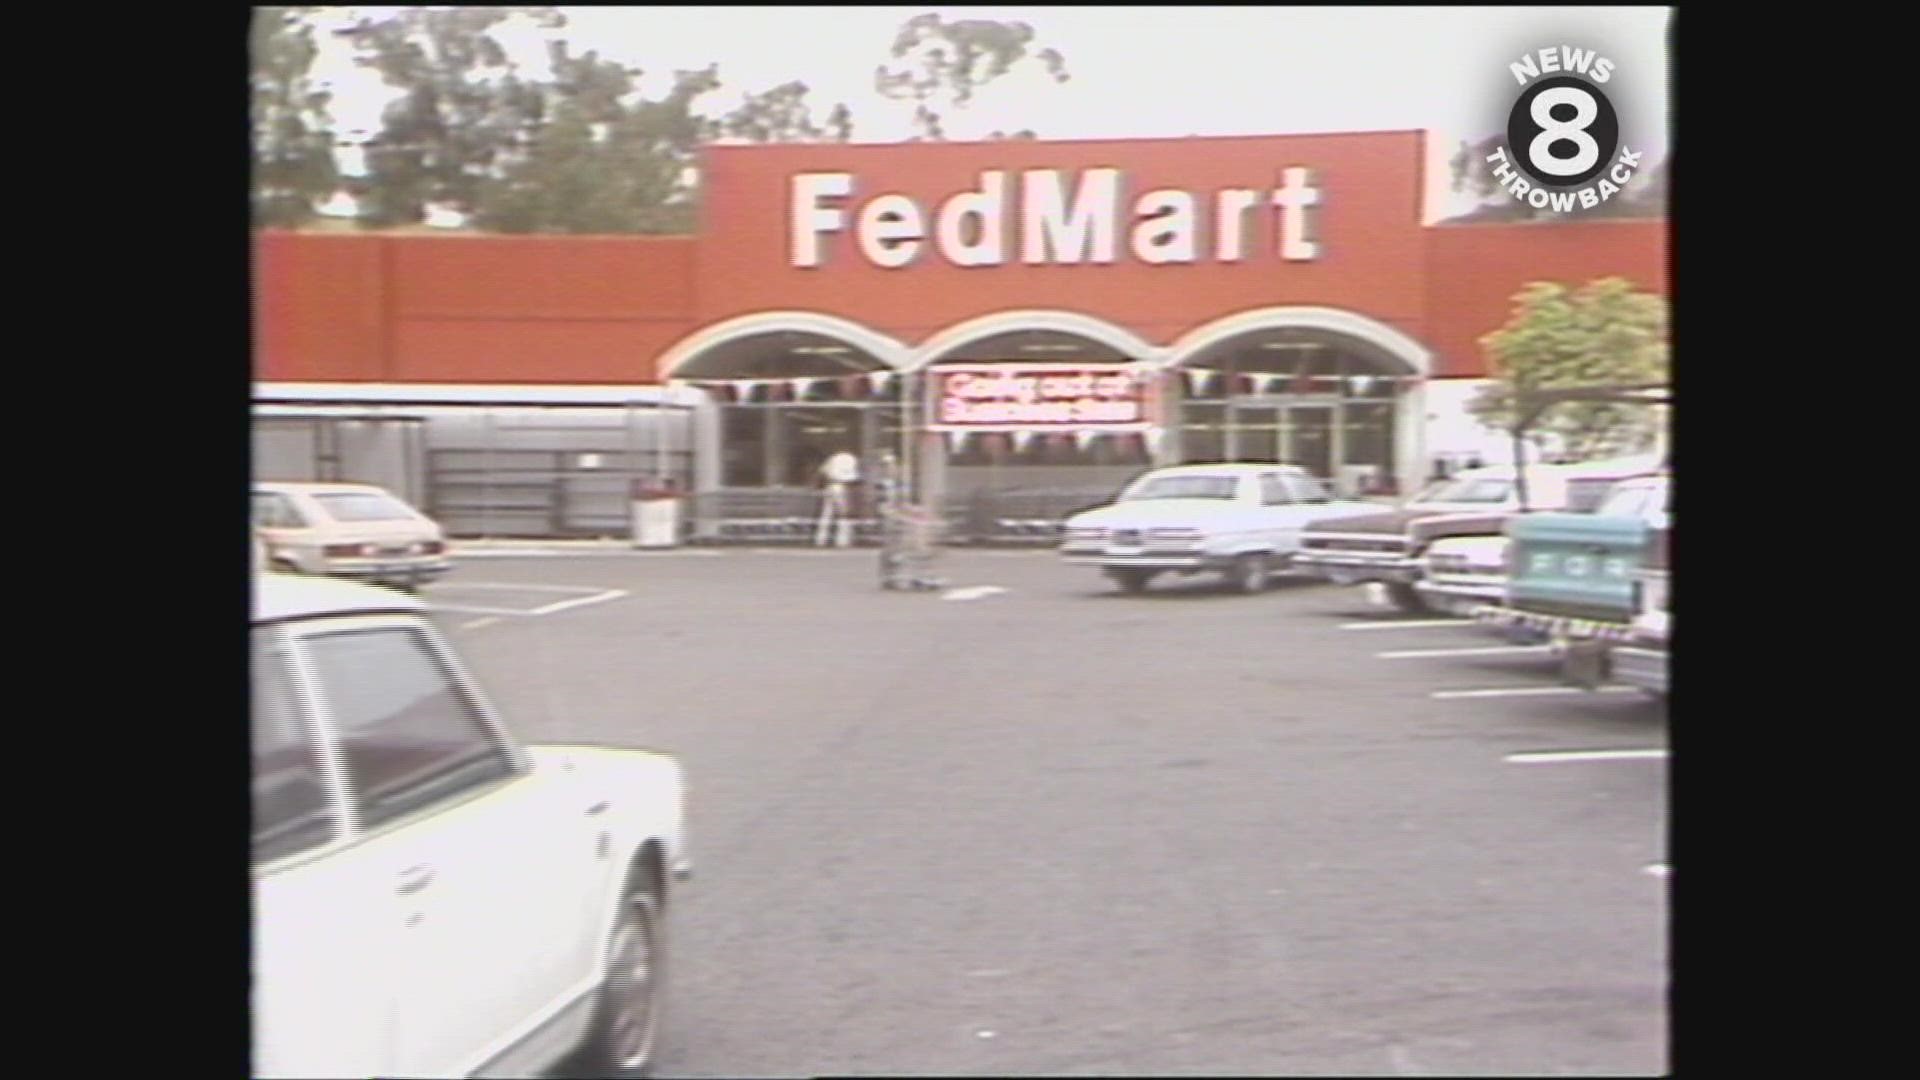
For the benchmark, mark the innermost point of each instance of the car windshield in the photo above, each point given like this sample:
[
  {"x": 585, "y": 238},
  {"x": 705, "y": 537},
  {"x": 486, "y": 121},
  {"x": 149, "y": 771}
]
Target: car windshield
[
  {"x": 1184, "y": 487},
  {"x": 358, "y": 506},
  {"x": 1633, "y": 500},
  {"x": 1480, "y": 490}
]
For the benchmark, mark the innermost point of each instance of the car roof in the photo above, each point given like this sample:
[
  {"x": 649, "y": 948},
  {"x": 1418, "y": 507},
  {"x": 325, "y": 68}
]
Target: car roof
[
  {"x": 279, "y": 597},
  {"x": 290, "y": 487},
  {"x": 1234, "y": 467},
  {"x": 1611, "y": 467}
]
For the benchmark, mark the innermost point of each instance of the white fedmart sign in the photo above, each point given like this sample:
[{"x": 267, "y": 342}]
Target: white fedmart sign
[{"x": 1054, "y": 225}]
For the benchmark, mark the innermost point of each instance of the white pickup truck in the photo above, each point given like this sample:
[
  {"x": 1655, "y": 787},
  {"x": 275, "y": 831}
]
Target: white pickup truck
[{"x": 1239, "y": 520}]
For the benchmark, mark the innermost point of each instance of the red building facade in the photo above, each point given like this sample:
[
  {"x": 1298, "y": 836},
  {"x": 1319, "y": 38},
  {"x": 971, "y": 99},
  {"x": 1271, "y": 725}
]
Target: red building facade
[{"x": 1278, "y": 295}]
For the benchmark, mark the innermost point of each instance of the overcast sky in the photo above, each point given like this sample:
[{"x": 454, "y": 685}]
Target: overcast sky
[{"x": 1141, "y": 72}]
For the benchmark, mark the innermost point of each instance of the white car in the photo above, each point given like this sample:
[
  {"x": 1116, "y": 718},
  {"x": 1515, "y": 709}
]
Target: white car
[
  {"x": 1460, "y": 573},
  {"x": 1239, "y": 520},
  {"x": 432, "y": 898},
  {"x": 355, "y": 531}
]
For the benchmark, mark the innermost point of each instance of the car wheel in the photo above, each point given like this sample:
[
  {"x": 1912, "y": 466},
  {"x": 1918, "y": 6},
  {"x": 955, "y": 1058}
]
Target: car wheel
[
  {"x": 1132, "y": 580},
  {"x": 627, "y": 1027},
  {"x": 1406, "y": 598},
  {"x": 1249, "y": 573}
]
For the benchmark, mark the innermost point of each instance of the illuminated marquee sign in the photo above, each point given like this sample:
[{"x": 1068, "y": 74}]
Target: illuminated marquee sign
[{"x": 1039, "y": 397}]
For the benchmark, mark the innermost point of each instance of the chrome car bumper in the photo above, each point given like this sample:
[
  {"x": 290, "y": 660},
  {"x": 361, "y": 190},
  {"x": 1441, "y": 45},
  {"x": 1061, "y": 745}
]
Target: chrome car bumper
[
  {"x": 1637, "y": 665},
  {"x": 1461, "y": 594},
  {"x": 1558, "y": 626},
  {"x": 1156, "y": 560},
  {"x": 378, "y": 571},
  {"x": 1352, "y": 567}
]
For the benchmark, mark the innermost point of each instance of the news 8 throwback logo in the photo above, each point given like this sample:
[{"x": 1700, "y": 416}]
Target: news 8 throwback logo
[{"x": 1563, "y": 148}]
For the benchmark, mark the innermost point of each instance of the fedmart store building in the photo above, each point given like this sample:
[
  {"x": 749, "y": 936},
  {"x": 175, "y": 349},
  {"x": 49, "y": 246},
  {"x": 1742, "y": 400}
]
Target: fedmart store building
[{"x": 1025, "y": 324}]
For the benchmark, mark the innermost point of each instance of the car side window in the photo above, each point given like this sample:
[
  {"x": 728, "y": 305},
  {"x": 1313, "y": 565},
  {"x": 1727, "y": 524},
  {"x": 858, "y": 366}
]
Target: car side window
[
  {"x": 1273, "y": 490},
  {"x": 1308, "y": 491},
  {"x": 276, "y": 511},
  {"x": 292, "y": 811},
  {"x": 409, "y": 736}
]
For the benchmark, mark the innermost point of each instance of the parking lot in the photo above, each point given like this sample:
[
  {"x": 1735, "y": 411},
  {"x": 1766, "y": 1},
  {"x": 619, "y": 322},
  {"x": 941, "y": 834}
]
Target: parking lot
[{"x": 1029, "y": 826}]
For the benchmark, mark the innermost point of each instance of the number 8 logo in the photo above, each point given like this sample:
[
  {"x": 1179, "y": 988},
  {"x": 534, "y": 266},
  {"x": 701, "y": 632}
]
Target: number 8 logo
[
  {"x": 1586, "y": 123},
  {"x": 1540, "y": 151}
]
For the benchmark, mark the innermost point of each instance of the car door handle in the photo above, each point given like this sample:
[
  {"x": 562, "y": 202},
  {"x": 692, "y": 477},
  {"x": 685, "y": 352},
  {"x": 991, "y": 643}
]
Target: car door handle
[{"x": 415, "y": 879}]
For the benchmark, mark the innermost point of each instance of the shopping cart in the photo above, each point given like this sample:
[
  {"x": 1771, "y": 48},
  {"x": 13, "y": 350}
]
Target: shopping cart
[{"x": 909, "y": 549}]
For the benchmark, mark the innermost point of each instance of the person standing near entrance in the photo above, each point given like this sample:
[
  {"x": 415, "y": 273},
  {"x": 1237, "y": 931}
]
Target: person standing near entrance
[{"x": 838, "y": 474}]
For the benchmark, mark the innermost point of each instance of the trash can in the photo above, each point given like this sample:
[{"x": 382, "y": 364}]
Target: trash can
[{"x": 656, "y": 513}]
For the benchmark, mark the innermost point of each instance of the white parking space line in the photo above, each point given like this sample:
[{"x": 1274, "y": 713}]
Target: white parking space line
[
  {"x": 590, "y": 553},
  {"x": 1540, "y": 757},
  {"x": 582, "y": 601},
  {"x": 464, "y": 609},
  {"x": 1405, "y": 624},
  {"x": 505, "y": 586},
  {"x": 972, "y": 592},
  {"x": 1490, "y": 650},
  {"x": 478, "y": 623},
  {"x": 1659, "y": 870},
  {"x": 1530, "y": 691}
]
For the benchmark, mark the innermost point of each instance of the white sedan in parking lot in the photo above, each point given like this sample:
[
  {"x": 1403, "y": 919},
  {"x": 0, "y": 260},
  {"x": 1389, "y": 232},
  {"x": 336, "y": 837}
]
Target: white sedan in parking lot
[
  {"x": 1240, "y": 520},
  {"x": 432, "y": 898},
  {"x": 355, "y": 531}
]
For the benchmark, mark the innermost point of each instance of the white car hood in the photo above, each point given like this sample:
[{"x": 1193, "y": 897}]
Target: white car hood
[
  {"x": 1491, "y": 550},
  {"x": 1146, "y": 513}
]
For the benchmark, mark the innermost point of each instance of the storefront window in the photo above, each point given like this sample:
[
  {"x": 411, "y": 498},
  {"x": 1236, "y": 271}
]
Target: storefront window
[
  {"x": 1329, "y": 410},
  {"x": 1369, "y": 434},
  {"x": 1204, "y": 436}
]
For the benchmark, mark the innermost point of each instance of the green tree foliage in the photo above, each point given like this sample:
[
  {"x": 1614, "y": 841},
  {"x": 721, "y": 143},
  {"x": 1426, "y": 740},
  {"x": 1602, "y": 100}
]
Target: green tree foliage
[
  {"x": 462, "y": 106},
  {"x": 579, "y": 149},
  {"x": 603, "y": 159},
  {"x": 1605, "y": 333},
  {"x": 941, "y": 65},
  {"x": 782, "y": 115},
  {"x": 292, "y": 141}
]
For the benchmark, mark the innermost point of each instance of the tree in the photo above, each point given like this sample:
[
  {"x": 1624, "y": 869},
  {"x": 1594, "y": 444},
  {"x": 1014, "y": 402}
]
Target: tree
[
  {"x": 1606, "y": 333},
  {"x": 943, "y": 64},
  {"x": 578, "y": 150},
  {"x": 602, "y": 159},
  {"x": 462, "y": 107},
  {"x": 292, "y": 136},
  {"x": 782, "y": 115}
]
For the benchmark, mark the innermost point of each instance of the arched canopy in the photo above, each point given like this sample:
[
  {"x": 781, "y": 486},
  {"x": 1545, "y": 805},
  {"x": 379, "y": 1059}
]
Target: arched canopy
[
  {"x": 1279, "y": 328},
  {"x": 781, "y": 343},
  {"x": 1035, "y": 334}
]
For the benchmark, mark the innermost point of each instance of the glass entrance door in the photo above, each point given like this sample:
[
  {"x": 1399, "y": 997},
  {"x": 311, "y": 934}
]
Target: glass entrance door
[
  {"x": 809, "y": 435},
  {"x": 1309, "y": 439}
]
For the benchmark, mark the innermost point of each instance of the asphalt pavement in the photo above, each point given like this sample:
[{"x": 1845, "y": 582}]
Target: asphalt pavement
[{"x": 1030, "y": 826}]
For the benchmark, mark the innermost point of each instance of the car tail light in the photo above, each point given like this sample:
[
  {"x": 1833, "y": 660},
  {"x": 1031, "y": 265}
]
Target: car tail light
[
  {"x": 433, "y": 547},
  {"x": 347, "y": 551}
]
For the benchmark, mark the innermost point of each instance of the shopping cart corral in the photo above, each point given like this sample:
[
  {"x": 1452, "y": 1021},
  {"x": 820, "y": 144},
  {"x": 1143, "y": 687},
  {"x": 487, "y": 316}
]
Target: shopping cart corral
[
  {"x": 767, "y": 516},
  {"x": 1030, "y": 516}
]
